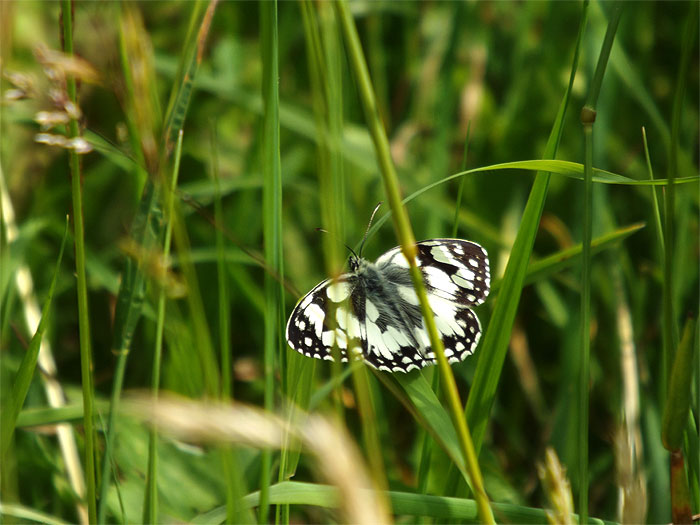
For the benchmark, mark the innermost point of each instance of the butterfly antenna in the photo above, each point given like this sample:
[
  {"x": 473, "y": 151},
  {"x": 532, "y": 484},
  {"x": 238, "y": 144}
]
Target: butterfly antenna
[
  {"x": 348, "y": 247},
  {"x": 376, "y": 208}
]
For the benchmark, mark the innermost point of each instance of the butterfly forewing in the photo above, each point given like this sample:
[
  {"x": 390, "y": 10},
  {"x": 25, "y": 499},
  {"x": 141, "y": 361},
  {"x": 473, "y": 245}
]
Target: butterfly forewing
[
  {"x": 456, "y": 269},
  {"x": 373, "y": 312},
  {"x": 325, "y": 318}
]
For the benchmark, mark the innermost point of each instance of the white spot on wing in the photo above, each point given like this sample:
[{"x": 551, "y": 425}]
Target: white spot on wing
[
  {"x": 408, "y": 294},
  {"x": 307, "y": 300},
  {"x": 338, "y": 292},
  {"x": 461, "y": 282},
  {"x": 441, "y": 253},
  {"x": 315, "y": 315},
  {"x": 440, "y": 280},
  {"x": 371, "y": 311}
]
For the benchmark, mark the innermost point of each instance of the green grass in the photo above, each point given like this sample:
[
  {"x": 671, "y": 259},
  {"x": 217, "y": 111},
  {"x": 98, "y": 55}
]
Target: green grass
[{"x": 294, "y": 116}]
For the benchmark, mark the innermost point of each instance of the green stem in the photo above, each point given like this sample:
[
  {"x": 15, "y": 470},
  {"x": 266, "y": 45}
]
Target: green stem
[
  {"x": 79, "y": 238},
  {"x": 150, "y": 510},
  {"x": 407, "y": 240},
  {"x": 272, "y": 227},
  {"x": 584, "y": 369},
  {"x": 588, "y": 115}
]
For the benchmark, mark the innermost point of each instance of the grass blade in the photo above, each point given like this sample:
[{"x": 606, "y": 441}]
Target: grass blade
[
  {"x": 588, "y": 115},
  {"x": 670, "y": 327},
  {"x": 407, "y": 240},
  {"x": 13, "y": 405},
  {"x": 150, "y": 507},
  {"x": 79, "y": 239},
  {"x": 538, "y": 269},
  {"x": 272, "y": 226},
  {"x": 405, "y": 503},
  {"x": 679, "y": 391}
]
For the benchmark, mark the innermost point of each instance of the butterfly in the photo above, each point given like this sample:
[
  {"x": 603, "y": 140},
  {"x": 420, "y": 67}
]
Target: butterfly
[{"x": 373, "y": 313}]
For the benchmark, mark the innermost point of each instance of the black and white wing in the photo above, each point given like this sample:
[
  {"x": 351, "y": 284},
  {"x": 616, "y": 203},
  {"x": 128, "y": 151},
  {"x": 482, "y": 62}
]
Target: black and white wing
[
  {"x": 455, "y": 269},
  {"x": 456, "y": 274},
  {"x": 326, "y": 316}
]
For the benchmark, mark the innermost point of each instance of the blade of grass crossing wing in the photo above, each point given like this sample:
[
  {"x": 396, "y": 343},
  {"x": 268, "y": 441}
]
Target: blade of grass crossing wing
[
  {"x": 12, "y": 405},
  {"x": 406, "y": 239},
  {"x": 331, "y": 175},
  {"x": 272, "y": 227},
  {"x": 497, "y": 336}
]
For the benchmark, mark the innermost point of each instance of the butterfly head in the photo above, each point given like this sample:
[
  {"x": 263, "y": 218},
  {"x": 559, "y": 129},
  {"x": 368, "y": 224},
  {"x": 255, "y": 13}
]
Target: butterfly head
[{"x": 354, "y": 262}]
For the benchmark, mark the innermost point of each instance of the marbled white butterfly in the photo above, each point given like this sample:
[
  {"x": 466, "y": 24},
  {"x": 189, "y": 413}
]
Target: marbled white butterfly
[{"x": 373, "y": 312}]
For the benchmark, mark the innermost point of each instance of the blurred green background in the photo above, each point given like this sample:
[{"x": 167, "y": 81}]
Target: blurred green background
[{"x": 438, "y": 68}]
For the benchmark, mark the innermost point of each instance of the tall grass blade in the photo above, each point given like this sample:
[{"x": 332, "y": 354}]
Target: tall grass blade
[
  {"x": 677, "y": 422},
  {"x": 13, "y": 404},
  {"x": 654, "y": 194},
  {"x": 407, "y": 240},
  {"x": 79, "y": 239},
  {"x": 150, "y": 508},
  {"x": 272, "y": 225},
  {"x": 679, "y": 391},
  {"x": 588, "y": 116}
]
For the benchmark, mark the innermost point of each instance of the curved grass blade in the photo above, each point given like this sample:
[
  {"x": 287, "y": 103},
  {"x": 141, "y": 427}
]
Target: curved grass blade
[
  {"x": 20, "y": 512},
  {"x": 564, "y": 168},
  {"x": 541, "y": 268}
]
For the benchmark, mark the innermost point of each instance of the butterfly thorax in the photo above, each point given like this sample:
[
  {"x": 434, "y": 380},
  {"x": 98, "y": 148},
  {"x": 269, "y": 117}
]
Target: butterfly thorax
[{"x": 379, "y": 285}]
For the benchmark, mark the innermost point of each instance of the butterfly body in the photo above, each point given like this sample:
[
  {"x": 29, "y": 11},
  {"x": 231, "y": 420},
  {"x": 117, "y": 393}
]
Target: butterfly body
[{"x": 373, "y": 312}]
